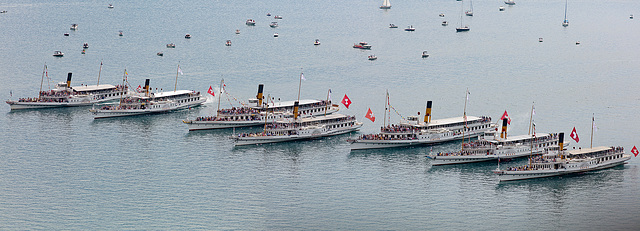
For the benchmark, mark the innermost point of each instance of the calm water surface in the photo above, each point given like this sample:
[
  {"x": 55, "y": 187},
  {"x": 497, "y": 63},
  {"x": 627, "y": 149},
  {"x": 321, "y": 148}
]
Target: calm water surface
[{"x": 63, "y": 170}]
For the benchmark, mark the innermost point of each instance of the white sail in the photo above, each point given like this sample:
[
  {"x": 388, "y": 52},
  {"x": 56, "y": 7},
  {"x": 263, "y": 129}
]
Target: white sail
[{"x": 385, "y": 5}]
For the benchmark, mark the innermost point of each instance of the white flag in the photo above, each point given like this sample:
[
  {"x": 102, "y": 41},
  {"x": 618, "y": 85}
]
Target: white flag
[
  {"x": 329, "y": 94},
  {"x": 180, "y": 71}
]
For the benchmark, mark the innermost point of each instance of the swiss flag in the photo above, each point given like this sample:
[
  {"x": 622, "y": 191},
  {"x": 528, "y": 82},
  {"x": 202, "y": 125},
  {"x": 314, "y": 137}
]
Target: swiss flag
[
  {"x": 370, "y": 116},
  {"x": 635, "y": 152},
  {"x": 346, "y": 101},
  {"x": 210, "y": 91},
  {"x": 574, "y": 135},
  {"x": 505, "y": 115}
]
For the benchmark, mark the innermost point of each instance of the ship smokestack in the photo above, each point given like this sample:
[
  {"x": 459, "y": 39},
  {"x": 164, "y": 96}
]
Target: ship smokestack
[
  {"x": 561, "y": 140},
  {"x": 427, "y": 114},
  {"x": 69, "y": 80},
  {"x": 146, "y": 87},
  {"x": 259, "y": 96},
  {"x": 503, "y": 134},
  {"x": 295, "y": 110}
]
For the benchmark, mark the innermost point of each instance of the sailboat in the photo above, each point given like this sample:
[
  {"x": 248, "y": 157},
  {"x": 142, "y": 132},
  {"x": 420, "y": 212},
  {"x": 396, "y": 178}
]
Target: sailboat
[
  {"x": 385, "y": 5},
  {"x": 462, "y": 28},
  {"x": 470, "y": 11},
  {"x": 565, "y": 23}
]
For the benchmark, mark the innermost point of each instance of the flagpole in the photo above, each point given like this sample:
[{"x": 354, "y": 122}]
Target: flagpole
[
  {"x": 325, "y": 107},
  {"x": 592, "y": 122},
  {"x": 41, "y": 81},
  {"x": 386, "y": 102},
  {"x": 531, "y": 119},
  {"x": 99, "y": 72},
  {"x": 175, "y": 87},
  {"x": 219, "y": 95},
  {"x": 466, "y": 96},
  {"x": 300, "y": 84},
  {"x": 122, "y": 93}
]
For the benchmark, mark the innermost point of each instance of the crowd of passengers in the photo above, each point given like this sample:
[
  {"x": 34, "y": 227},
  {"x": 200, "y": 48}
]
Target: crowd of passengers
[
  {"x": 273, "y": 126},
  {"x": 59, "y": 96},
  {"x": 542, "y": 159}
]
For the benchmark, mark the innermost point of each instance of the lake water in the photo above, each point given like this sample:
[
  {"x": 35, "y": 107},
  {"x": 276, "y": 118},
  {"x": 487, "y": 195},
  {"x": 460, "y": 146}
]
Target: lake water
[{"x": 61, "y": 169}]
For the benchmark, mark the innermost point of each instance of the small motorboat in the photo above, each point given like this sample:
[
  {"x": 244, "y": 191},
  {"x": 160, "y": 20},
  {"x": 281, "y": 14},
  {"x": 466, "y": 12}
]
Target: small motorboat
[
  {"x": 275, "y": 35},
  {"x": 268, "y": 14},
  {"x": 277, "y": 17},
  {"x": 372, "y": 57},
  {"x": 83, "y": 51},
  {"x": 469, "y": 13},
  {"x": 85, "y": 45},
  {"x": 120, "y": 33},
  {"x": 160, "y": 54},
  {"x": 510, "y": 2},
  {"x": 66, "y": 34},
  {"x": 74, "y": 26},
  {"x": 577, "y": 42},
  {"x": 425, "y": 54},
  {"x": 539, "y": 39},
  {"x": 228, "y": 43},
  {"x": 445, "y": 23},
  {"x": 501, "y": 8},
  {"x": 237, "y": 31},
  {"x": 362, "y": 45},
  {"x": 441, "y": 15},
  {"x": 187, "y": 36},
  {"x": 392, "y": 25},
  {"x": 58, "y": 54},
  {"x": 110, "y": 6},
  {"x": 171, "y": 45},
  {"x": 410, "y": 28},
  {"x": 273, "y": 24},
  {"x": 462, "y": 29},
  {"x": 250, "y": 22},
  {"x": 317, "y": 42}
]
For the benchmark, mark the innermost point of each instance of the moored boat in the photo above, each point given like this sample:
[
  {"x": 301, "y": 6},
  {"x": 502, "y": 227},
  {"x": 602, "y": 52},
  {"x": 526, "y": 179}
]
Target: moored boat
[
  {"x": 425, "y": 54},
  {"x": 273, "y": 24},
  {"x": 392, "y": 25},
  {"x": 171, "y": 45},
  {"x": 386, "y": 5},
  {"x": 362, "y": 45},
  {"x": 58, "y": 54},
  {"x": 250, "y": 22},
  {"x": 74, "y": 26},
  {"x": 410, "y": 28},
  {"x": 509, "y": 2},
  {"x": 227, "y": 43},
  {"x": 373, "y": 57},
  {"x": 317, "y": 42},
  {"x": 66, "y": 96},
  {"x": 187, "y": 36}
]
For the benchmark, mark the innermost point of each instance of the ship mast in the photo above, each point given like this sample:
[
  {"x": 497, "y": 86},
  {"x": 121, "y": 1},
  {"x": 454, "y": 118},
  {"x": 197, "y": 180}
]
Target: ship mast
[
  {"x": 464, "y": 116},
  {"x": 42, "y": 80},
  {"x": 592, "y": 125},
  {"x": 327, "y": 104},
  {"x": 99, "y": 72},
  {"x": 531, "y": 119},
  {"x": 386, "y": 103},
  {"x": 124, "y": 76},
  {"x": 175, "y": 87},
  {"x": 219, "y": 97}
]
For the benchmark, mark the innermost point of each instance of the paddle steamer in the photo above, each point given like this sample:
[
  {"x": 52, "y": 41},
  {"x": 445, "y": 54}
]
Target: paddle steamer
[
  {"x": 64, "y": 95},
  {"x": 150, "y": 103},
  {"x": 260, "y": 112},
  {"x": 412, "y": 132},
  {"x": 300, "y": 129}
]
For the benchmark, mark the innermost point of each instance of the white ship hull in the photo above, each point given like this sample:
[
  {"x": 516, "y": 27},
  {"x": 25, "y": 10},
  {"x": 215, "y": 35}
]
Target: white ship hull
[
  {"x": 505, "y": 175},
  {"x": 303, "y": 135},
  {"x": 74, "y": 102},
  {"x": 428, "y": 139},
  {"x": 99, "y": 114},
  {"x": 445, "y": 160},
  {"x": 194, "y": 125}
]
